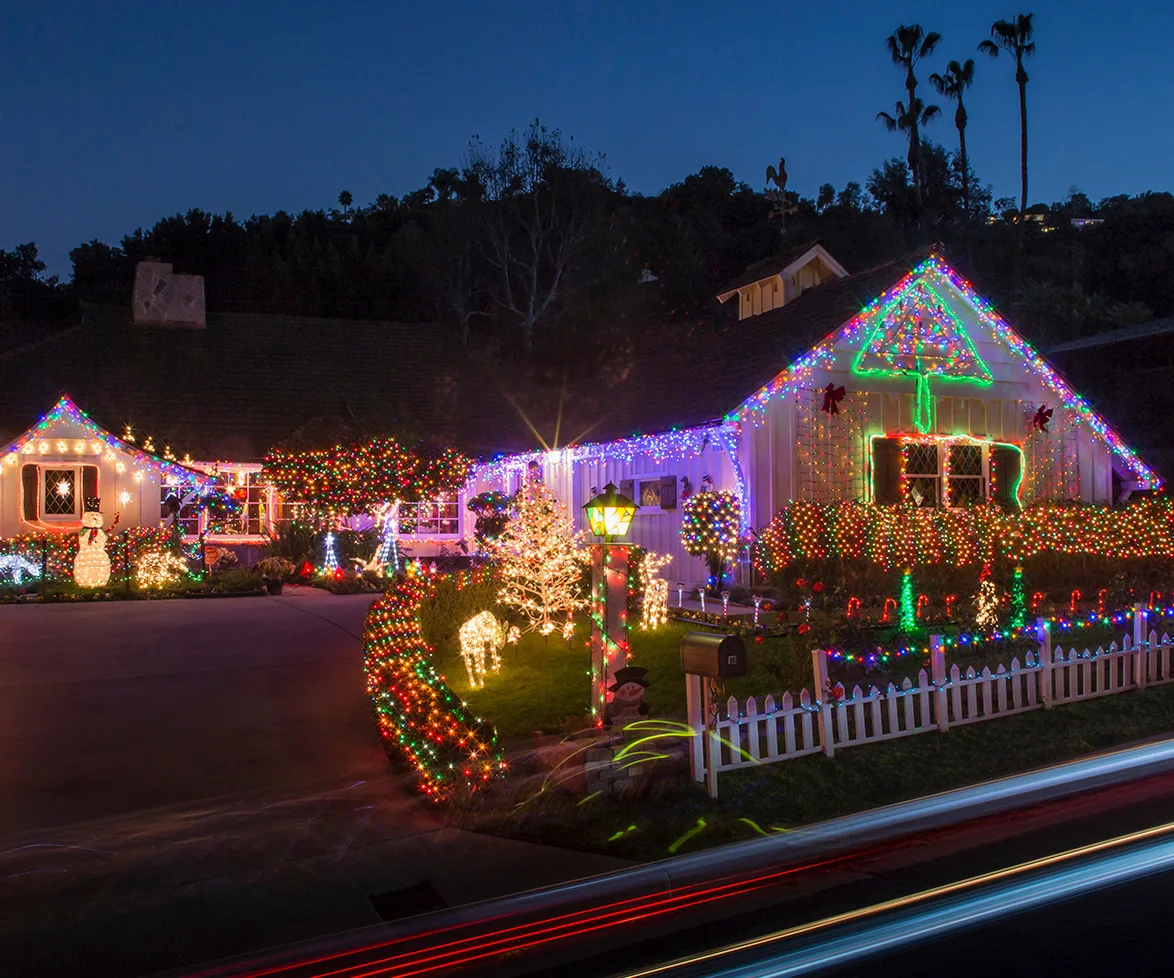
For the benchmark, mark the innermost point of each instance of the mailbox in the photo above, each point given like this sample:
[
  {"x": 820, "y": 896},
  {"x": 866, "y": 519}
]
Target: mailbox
[{"x": 714, "y": 655}]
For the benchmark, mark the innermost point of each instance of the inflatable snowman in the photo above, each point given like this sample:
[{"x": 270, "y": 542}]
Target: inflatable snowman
[{"x": 91, "y": 566}]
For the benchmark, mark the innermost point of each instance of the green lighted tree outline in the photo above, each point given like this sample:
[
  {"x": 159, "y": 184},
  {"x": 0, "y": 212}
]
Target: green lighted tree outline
[{"x": 885, "y": 332}]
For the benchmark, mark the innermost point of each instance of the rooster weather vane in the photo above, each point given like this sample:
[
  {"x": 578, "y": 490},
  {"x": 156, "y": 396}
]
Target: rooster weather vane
[{"x": 782, "y": 203}]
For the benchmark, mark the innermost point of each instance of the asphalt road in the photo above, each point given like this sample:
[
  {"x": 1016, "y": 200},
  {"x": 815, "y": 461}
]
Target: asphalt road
[
  {"x": 1098, "y": 934},
  {"x": 109, "y": 708}
]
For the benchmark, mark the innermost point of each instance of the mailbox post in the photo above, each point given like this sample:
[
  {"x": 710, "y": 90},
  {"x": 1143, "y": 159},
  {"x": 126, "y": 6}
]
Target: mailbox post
[{"x": 707, "y": 658}]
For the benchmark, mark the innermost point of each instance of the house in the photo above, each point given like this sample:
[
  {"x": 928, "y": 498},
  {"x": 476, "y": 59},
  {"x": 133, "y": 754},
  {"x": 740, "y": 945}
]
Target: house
[{"x": 899, "y": 383}]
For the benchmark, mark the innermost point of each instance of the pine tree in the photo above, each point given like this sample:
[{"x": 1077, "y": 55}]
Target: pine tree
[{"x": 540, "y": 559}]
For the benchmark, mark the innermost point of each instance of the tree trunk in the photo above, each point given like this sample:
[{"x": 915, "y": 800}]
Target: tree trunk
[
  {"x": 915, "y": 150},
  {"x": 965, "y": 173},
  {"x": 1022, "y": 157}
]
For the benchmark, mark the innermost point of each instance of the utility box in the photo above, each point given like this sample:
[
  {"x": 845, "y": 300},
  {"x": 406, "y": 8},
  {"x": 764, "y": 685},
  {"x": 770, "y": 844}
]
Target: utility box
[{"x": 713, "y": 655}]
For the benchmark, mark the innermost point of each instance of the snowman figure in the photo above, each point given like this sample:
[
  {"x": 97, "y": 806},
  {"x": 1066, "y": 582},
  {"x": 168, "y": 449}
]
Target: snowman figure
[
  {"x": 91, "y": 566},
  {"x": 627, "y": 702}
]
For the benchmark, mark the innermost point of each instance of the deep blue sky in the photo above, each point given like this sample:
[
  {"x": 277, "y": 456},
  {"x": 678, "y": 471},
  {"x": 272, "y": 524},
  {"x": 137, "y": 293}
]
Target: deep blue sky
[{"x": 115, "y": 114}]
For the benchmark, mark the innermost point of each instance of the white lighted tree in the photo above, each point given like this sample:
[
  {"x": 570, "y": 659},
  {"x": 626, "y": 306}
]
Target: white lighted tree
[{"x": 541, "y": 560}]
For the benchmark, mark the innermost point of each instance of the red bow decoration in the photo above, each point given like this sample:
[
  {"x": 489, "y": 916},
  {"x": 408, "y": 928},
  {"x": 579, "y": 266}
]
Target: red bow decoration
[
  {"x": 832, "y": 395},
  {"x": 1042, "y": 416}
]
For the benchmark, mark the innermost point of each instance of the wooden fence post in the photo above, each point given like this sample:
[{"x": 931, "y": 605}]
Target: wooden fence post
[
  {"x": 819, "y": 669},
  {"x": 713, "y": 750},
  {"x": 697, "y": 720},
  {"x": 1043, "y": 635},
  {"x": 937, "y": 665},
  {"x": 1141, "y": 652}
]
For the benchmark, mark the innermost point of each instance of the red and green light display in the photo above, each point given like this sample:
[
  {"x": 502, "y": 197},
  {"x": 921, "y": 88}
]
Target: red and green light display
[
  {"x": 361, "y": 477},
  {"x": 419, "y": 716},
  {"x": 897, "y": 536}
]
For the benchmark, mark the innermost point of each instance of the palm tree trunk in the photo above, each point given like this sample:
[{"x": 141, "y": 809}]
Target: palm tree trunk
[
  {"x": 1022, "y": 158},
  {"x": 915, "y": 150},
  {"x": 965, "y": 174}
]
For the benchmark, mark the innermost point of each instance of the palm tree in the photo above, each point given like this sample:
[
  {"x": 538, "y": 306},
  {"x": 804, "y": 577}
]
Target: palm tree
[
  {"x": 907, "y": 45},
  {"x": 1014, "y": 37},
  {"x": 346, "y": 200},
  {"x": 909, "y": 121},
  {"x": 952, "y": 84}
]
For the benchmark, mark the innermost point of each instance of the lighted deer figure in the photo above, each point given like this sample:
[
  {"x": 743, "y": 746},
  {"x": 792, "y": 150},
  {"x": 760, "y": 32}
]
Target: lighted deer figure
[{"x": 482, "y": 639}]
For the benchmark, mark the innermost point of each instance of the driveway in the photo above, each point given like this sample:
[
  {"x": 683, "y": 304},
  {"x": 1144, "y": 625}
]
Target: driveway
[
  {"x": 116, "y": 707},
  {"x": 189, "y": 779}
]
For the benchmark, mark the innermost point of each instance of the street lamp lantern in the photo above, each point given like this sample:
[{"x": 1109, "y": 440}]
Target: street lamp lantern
[{"x": 610, "y": 513}]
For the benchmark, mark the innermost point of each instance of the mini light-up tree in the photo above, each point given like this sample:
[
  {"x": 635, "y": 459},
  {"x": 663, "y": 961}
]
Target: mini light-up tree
[
  {"x": 986, "y": 602},
  {"x": 541, "y": 559},
  {"x": 710, "y": 524}
]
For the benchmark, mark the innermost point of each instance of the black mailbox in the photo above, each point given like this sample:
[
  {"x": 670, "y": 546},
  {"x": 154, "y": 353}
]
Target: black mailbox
[{"x": 714, "y": 655}]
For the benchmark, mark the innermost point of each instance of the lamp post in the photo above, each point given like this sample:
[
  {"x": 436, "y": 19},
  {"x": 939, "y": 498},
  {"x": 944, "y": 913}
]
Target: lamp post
[{"x": 609, "y": 515}]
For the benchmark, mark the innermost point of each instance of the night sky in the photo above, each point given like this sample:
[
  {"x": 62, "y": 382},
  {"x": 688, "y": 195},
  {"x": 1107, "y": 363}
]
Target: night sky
[{"x": 116, "y": 114}]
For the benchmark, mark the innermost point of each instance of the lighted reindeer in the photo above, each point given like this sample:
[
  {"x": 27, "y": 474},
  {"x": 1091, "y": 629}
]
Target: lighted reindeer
[{"x": 482, "y": 639}]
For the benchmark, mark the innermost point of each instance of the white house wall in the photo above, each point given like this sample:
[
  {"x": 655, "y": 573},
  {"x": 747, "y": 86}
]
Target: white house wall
[
  {"x": 141, "y": 508},
  {"x": 1000, "y": 411},
  {"x": 571, "y": 480}
]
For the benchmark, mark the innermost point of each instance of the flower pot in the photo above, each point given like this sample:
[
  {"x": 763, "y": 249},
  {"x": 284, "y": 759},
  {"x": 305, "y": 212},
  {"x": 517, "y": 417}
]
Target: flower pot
[{"x": 274, "y": 587}]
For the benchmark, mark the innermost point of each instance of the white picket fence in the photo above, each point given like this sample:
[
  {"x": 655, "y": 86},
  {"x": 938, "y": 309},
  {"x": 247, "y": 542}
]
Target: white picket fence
[{"x": 765, "y": 730}]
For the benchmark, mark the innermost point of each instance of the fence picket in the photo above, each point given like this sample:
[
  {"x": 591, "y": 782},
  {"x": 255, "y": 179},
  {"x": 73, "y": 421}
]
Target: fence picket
[
  {"x": 906, "y": 686},
  {"x": 891, "y": 698},
  {"x": 874, "y": 697},
  {"x": 1034, "y": 680},
  {"x": 752, "y": 719},
  {"x": 734, "y": 733},
  {"x": 842, "y": 723},
  {"x": 1016, "y": 685},
  {"x": 955, "y": 694},
  {"x": 1104, "y": 670},
  {"x": 858, "y": 713},
  {"x": 1001, "y": 689},
  {"x": 772, "y": 724},
  {"x": 986, "y": 691},
  {"x": 971, "y": 694},
  {"x": 1166, "y": 647},
  {"x": 805, "y": 719},
  {"x": 923, "y": 699}
]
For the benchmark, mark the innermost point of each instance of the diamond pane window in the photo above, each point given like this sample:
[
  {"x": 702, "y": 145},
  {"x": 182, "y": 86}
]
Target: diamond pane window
[
  {"x": 967, "y": 478},
  {"x": 60, "y": 492},
  {"x": 921, "y": 473}
]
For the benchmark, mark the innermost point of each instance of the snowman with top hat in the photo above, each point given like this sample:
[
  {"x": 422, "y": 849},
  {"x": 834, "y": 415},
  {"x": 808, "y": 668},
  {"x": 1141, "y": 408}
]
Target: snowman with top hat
[{"x": 91, "y": 566}]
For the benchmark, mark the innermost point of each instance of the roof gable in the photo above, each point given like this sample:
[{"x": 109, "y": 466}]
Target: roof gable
[
  {"x": 782, "y": 267},
  {"x": 97, "y": 441},
  {"x": 930, "y": 278}
]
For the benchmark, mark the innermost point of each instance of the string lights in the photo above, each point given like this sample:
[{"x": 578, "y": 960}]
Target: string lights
[
  {"x": 540, "y": 559},
  {"x": 896, "y": 536},
  {"x": 934, "y": 273},
  {"x": 710, "y": 526},
  {"x": 418, "y": 715}
]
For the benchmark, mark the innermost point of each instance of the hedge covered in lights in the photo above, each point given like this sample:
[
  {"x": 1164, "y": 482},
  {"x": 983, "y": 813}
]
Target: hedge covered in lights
[
  {"x": 419, "y": 717},
  {"x": 56, "y": 551},
  {"x": 896, "y": 536}
]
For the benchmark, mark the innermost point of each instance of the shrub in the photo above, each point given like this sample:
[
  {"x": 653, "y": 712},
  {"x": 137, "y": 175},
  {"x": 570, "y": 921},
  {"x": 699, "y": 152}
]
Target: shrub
[
  {"x": 274, "y": 568},
  {"x": 294, "y": 542},
  {"x": 454, "y": 601},
  {"x": 240, "y": 579}
]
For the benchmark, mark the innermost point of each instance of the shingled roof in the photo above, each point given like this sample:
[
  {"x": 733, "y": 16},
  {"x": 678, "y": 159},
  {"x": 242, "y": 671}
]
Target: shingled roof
[{"x": 232, "y": 390}]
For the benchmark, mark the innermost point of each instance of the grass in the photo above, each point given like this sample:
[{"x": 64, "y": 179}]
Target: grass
[
  {"x": 544, "y": 686},
  {"x": 783, "y": 795}
]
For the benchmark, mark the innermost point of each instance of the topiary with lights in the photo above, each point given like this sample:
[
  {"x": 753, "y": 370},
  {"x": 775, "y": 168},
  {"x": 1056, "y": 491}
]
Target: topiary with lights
[{"x": 710, "y": 524}]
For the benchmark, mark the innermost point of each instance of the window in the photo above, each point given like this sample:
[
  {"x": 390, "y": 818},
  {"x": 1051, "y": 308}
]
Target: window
[
  {"x": 922, "y": 473},
  {"x": 944, "y": 472},
  {"x": 651, "y": 493},
  {"x": 180, "y": 500},
  {"x": 967, "y": 481},
  {"x": 59, "y": 487},
  {"x": 57, "y": 492},
  {"x": 433, "y": 517}
]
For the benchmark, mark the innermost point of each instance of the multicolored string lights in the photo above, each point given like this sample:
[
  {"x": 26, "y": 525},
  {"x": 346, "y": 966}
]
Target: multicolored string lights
[{"x": 419, "y": 716}]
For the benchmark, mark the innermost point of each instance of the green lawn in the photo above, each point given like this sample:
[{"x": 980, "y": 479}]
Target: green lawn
[
  {"x": 779, "y": 796},
  {"x": 544, "y": 685}
]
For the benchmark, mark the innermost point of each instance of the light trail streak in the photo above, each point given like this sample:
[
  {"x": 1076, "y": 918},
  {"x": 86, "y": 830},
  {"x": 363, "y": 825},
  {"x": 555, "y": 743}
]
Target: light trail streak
[{"x": 907, "y": 928}]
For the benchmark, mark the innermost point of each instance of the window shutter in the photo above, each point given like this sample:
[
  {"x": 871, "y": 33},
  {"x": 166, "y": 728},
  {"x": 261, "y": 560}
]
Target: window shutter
[
  {"x": 1006, "y": 472},
  {"x": 628, "y": 488},
  {"x": 89, "y": 481},
  {"x": 668, "y": 492},
  {"x": 28, "y": 482},
  {"x": 886, "y": 471}
]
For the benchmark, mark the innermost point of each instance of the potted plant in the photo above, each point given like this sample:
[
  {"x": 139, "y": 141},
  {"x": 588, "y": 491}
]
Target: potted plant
[{"x": 275, "y": 570}]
